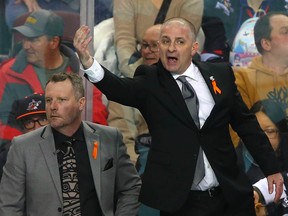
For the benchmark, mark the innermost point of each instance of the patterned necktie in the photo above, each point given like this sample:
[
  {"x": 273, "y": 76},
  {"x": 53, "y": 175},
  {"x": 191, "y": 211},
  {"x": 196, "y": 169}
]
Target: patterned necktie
[
  {"x": 192, "y": 103},
  {"x": 70, "y": 188}
]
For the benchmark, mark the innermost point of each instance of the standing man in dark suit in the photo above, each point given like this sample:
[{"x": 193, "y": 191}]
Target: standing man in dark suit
[
  {"x": 69, "y": 167},
  {"x": 177, "y": 137}
]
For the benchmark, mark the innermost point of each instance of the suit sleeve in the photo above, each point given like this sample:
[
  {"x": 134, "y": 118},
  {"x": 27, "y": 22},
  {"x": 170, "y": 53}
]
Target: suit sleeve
[
  {"x": 128, "y": 183},
  {"x": 12, "y": 187},
  {"x": 121, "y": 90}
]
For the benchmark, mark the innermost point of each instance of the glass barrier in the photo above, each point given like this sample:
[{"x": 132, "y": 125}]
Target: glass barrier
[
  {"x": 25, "y": 53},
  {"x": 249, "y": 35},
  {"x": 226, "y": 34}
]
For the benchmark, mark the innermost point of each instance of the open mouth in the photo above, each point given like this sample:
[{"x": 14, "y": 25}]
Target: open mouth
[{"x": 172, "y": 59}]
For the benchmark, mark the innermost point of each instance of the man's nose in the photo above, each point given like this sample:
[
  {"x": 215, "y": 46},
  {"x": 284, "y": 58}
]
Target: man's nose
[
  {"x": 171, "y": 47},
  {"x": 53, "y": 105},
  {"x": 26, "y": 44}
]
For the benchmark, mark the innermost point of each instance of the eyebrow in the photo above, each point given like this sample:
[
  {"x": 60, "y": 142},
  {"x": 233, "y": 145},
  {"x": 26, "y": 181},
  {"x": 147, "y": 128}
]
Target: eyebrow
[
  {"x": 284, "y": 27},
  {"x": 179, "y": 37}
]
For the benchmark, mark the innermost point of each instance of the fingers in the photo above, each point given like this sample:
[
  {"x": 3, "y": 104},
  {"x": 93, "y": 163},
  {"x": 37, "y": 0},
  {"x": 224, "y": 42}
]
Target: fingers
[
  {"x": 81, "y": 36},
  {"x": 270, "y": 185},
  {"x": 86, "y": 42},
  {"x": 275, "y": 182},
  {"x": 81, "y": 42},
  {"x": 278, "y": 189}
]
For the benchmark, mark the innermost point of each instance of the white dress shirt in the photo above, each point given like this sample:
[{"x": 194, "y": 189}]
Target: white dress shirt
[{"x": 206, "y": 103}]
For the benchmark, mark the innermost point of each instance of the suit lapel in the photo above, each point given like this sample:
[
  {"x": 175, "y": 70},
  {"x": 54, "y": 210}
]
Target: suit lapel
[
  {"x": 208, "y": 75},
  {"x": 172, "y": 89},
  {"x": 92, "y": 137},
  {"x": 47, "y": 146},
  {"x": 179, "y": 108}
]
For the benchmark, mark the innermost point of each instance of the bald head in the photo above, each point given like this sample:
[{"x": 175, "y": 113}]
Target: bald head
[
  {"x": 153, "y": 31},
  {"x": 177, "y": 45},
  {"x": 149, "y": 49},
  {"x": 181, "y": 22}
]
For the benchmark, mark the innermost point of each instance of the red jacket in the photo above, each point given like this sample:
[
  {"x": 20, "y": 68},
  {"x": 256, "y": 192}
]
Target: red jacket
[{"x": 19, "y": 79}]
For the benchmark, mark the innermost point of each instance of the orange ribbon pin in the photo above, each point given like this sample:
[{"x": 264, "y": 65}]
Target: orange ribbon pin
[
  {"x": 216, "y": 89},
  {"x": 95, "y": 150}
]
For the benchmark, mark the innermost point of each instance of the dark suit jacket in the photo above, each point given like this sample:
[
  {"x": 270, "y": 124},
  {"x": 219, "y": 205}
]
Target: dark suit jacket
[{"x": 176, "y": 139}]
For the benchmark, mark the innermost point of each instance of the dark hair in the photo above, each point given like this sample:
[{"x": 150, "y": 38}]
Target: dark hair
[
  {"x": 74, "y": 78},
  {"x": 274, "y": 110},
  {"x": 51, "y": 37},
  {"x": 263, "y": 28}
]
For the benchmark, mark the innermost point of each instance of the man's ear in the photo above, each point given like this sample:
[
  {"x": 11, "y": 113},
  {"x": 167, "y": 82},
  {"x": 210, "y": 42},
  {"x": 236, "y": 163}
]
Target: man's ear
[
  {"x": 54, "y": 42},
  {"x": 195, "y": 48},
  {"x": 266, "y": 44},
  {"x": 82, "y": 102}
]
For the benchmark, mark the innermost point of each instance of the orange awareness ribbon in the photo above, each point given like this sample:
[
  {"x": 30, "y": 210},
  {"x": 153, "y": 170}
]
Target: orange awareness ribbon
[
  {"x": 216, "y": 89},
  {"x": 95, "y": 150}
]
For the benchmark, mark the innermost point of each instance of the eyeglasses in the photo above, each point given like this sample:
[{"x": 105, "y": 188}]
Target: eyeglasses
[
  {"x": 30, "y": 124},
  {"x": 271, "y": 133},
  {"x": 152, "y": 46}
]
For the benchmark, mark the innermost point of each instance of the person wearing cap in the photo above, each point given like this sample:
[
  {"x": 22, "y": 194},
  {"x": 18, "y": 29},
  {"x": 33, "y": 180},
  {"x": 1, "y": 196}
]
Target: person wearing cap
[
  {"x": 42, "y": 56},
  {"x": 70, "y": 166},
  {"x": 30, "y": 114}
]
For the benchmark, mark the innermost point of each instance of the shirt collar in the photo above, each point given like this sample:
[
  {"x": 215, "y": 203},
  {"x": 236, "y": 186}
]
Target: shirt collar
[
  {"x": 60, "y": 138},
  {"x": 192, "y": 72}
]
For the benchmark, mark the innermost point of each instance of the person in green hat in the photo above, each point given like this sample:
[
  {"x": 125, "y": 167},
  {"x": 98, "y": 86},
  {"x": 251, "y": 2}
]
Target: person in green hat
[{"x": 41, "y": 56}]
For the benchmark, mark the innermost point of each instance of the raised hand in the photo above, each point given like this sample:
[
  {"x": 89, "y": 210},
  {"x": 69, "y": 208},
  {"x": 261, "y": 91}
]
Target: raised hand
[{"x": 81, "y": 42}]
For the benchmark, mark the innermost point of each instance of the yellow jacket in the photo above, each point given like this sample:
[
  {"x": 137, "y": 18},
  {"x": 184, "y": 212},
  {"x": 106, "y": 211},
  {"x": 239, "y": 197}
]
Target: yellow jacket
[{"x": 257, "y": 82}]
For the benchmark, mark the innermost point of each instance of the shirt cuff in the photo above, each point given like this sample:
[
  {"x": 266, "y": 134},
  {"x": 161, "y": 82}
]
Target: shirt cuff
[
  {"x": 95, "y": 73},
  {"x": 262, "y": 186}
]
